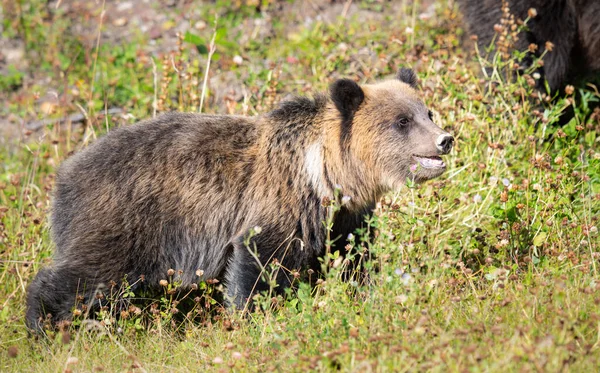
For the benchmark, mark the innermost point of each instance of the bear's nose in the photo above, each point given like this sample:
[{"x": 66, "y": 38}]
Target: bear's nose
[{"x": 444, "y": 143}]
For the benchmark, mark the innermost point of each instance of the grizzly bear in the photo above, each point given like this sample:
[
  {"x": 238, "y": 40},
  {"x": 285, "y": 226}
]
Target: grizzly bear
[
  {"x": 572, "y": 26},
  {"x": 184, "y": 191}
]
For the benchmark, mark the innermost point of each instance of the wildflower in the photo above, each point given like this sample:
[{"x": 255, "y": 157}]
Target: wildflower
[
  {"x": 409, "y": 30},
  {"x": 238, "y": 60},
  {"x": 493, "y": 180},
  {"x": 170, "y": 272},
  {"x": 350, "y": 237},
  {"x": 163, "y": 283},
  {"x": 199, "y": 273},
  {"x": 346, "y": 200},
  {"x": 413, "y": 168},
  {"x": 477, "y": 198},
  {"x": 402, "y": 298},
  {"x": 406, "y": 278},
  {"x": 549, "y": 46},
  {"x": 257, "y": 229},
  {"x": 398, "y": 272},
  {"x": 532, "y": 13}
]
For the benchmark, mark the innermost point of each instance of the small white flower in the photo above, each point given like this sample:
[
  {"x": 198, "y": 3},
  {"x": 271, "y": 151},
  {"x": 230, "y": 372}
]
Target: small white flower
[
  {"x": 477, "y": 198},
  {"x": 238, "y": 60},
  {"x": 536, "y": 75},
  {"x": 536, "y": 186},
  {"x": 402, "y": 298},
  {"x": 409, "y": 30},
  {"x": 398, "y": 272},
  {"x": 257, "y": 229},
  {"x": 406, "y": 278},
  {"x": 493, "y": 180},
  {"x": 218, "y": 360},
  {"x": 506, "y": 182},
  {"x": 346, "y": 200},
  {"x": 350, "y": 237}
]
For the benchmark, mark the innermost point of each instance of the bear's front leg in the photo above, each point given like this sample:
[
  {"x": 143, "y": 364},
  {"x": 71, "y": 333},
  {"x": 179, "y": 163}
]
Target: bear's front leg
[{"x": 249, "y": 270}]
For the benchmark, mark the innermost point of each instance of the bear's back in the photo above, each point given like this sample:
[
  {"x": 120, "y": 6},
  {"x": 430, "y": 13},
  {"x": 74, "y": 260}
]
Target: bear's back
[{"x": 127, "y": 188}]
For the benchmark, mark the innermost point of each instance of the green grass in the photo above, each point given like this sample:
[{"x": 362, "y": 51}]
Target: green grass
[{"x": 492, "y": 267}]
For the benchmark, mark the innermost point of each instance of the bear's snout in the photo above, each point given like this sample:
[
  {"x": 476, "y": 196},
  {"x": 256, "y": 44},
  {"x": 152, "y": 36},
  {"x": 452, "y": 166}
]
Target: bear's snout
[{"x": 444, "y": 143}]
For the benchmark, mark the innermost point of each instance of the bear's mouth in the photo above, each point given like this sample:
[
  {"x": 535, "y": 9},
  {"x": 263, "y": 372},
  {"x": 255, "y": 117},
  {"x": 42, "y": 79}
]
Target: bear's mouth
[{"x": 429, "y": 161}]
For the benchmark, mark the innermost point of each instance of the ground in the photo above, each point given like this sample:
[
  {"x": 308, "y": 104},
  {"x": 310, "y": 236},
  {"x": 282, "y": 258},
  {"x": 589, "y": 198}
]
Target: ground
[{"x": 492, "y": 267}]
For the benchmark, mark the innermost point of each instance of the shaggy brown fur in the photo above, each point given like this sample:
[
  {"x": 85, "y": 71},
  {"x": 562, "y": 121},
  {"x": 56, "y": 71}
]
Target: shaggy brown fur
[
  {"x": 183, "y": 191},
  {"x": 573, "y": 26}
]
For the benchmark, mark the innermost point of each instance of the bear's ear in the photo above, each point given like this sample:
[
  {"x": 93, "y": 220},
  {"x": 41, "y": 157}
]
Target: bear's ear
[
  {"x": 347, "y": 97},
  {"x": 407, "y": 76}
]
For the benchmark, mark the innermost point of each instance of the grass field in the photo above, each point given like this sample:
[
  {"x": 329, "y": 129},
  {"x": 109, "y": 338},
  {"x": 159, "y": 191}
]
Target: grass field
[{"x": 492, "y": 267}]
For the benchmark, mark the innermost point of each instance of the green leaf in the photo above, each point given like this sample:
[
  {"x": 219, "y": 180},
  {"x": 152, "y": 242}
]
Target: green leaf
[
  {"x": 198, "y": 41},
  {"x": 539, "y": 239},
  {"x": 193, "y": 38}
]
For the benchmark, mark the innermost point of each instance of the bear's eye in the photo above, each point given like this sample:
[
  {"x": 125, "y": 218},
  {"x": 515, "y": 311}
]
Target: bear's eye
[
  {"x": 430, "y": 115},
  {"x": 403, "y": 121}
]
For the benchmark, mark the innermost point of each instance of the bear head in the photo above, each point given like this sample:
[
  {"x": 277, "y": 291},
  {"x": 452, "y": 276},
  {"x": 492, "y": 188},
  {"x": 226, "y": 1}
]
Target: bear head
[{"x": 387, "y": 128}]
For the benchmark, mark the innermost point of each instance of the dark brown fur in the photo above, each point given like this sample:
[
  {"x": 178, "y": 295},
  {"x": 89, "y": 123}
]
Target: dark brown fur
[
  {"x": 573, "y": 26},
  {"x": 183, "y": 191}
]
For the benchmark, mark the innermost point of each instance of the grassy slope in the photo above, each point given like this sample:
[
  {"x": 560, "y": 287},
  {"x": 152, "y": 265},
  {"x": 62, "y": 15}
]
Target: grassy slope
[{"x": 491, "y": 267}]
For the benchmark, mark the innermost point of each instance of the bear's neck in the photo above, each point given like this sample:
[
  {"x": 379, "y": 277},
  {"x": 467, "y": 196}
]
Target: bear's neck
[
  {"x": 305, "y": 136},
  {"x": 341, "y": 168}
]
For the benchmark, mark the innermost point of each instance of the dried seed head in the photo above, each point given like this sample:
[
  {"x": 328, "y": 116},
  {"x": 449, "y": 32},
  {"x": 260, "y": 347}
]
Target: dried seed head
[
  {"x": 170, "y": 272},
  {"x": 163, "y": 283},
  {"x": 13, "y": 351},
  {"x": 569, "y": 89},
  {"x": 532, "y": 13}
]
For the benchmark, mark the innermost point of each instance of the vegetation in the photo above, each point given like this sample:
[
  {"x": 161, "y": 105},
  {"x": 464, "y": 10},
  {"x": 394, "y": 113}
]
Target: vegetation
[{"x": 492, "y": 267}]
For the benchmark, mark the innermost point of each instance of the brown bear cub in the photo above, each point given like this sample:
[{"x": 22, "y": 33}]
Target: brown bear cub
[
  {"x": 572, "y": 26},
  {"x": 183, "y": 191}
]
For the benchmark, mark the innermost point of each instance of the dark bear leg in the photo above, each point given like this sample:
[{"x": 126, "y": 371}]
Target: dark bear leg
[
  {"x": 54, "y": 292},
  {"x": 249, "y": 273}
]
